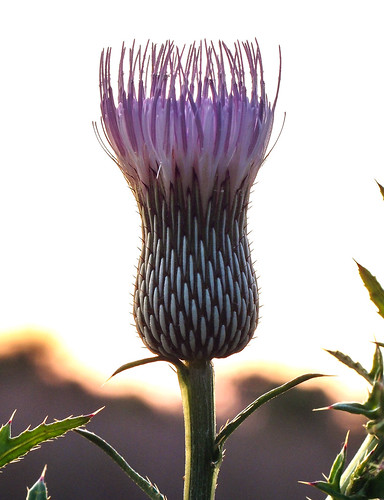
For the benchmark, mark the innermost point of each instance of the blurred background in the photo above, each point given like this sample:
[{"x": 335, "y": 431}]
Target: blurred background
[
  {"x": 284, "y": 442},
  {"x": 70, "y": 235}
]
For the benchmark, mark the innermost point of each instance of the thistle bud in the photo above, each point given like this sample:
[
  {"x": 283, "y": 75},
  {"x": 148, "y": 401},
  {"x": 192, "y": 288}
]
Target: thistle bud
[{"x": 190, "y": 142}]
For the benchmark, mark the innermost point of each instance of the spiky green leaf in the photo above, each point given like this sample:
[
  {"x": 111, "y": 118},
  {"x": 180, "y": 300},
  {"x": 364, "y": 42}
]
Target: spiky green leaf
[
  {"x": 334, "y": 494},
  {"x": 357, "y": 409},
  {"x": 338, "y": 466},
  {"x": 332, "y": 485},
  {"x": 14, "y": 448},
  {"x": 374, "y": 288},
  {"x": 346, "y": 360},
  {"x": 39, "y": 489},
  {"x": 327, "y": 488},
  {"x": 376, "y": 372}
]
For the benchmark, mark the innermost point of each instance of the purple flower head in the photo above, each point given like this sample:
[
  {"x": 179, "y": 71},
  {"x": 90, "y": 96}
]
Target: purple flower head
[
  {"x": 188, "y": 113},
  {"x": 190, "y": 140}
]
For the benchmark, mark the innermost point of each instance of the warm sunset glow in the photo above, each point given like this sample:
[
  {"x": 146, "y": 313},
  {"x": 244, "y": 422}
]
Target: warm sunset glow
[{"x": 70, "y": 229}]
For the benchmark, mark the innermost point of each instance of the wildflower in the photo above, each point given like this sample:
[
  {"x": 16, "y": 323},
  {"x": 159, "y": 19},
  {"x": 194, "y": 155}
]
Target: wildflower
[{"x": 190, "y": 141}]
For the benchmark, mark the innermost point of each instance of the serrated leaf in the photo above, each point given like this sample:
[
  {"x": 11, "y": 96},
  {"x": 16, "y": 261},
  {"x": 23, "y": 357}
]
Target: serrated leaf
[
  {"x": 374, "y": 288},
  {"x": 346, "y": 360},
  {"x": 376, "y": 372},
  {"x": 39, "y": 489},
  {"x": 338, "y": 466},
  {"x": 14, "y": 448}
]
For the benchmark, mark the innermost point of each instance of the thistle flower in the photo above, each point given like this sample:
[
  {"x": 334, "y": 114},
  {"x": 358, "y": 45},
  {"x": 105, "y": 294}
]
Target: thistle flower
[{"x": 190, "y": 141}]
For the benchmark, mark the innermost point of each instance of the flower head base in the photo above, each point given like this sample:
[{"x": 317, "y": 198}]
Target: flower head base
[{"x": 190, "y": 141}]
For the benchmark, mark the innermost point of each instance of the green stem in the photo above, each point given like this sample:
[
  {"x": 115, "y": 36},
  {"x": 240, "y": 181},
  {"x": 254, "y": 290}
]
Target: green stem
[{"x": 196, "y": 379}]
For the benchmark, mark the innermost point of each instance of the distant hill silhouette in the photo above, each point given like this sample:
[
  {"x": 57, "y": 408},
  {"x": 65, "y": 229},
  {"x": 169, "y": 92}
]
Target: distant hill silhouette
[{"x": 282, "y": 443}]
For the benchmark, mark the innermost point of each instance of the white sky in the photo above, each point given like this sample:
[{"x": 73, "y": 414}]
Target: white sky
[{"x": 68, "y": 225}]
